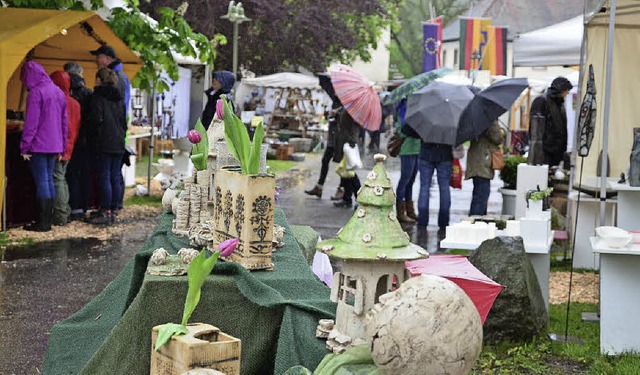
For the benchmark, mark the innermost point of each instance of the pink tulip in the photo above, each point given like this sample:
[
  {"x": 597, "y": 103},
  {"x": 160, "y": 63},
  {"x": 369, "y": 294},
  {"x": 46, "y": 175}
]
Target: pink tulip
[
  {"x": 227, "y": 247},
  {"x": 194, "y": 136},
  {"x": 219, "y": 109}
]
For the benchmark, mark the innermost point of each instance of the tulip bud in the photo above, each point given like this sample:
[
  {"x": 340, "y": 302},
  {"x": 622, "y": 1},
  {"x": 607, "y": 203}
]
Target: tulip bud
[
  {"x": 227, "y": 247},
  {"x": 194, "y": 136},
  {"x": 219, "y": 109}
]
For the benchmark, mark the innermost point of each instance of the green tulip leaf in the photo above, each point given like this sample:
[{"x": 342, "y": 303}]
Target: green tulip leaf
[
  {"x": 167, "y": 331},
  {"x": 199, "y": 269},
  {"x": 201, "y": 148},
  {"x": 253, "y": 166}
]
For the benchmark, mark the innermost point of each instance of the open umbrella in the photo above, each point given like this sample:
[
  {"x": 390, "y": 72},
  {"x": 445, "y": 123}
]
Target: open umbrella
[
  {"x": 324, "y": 79},
  {"x": 358, "y": 96},
  {"x": 587, "y": 119},
  {"x": 434, "y": 110},
  {"x": 487, "y": 106},
  {"x": 457, "y": 268},
  {"x": 414, "y": 84}
]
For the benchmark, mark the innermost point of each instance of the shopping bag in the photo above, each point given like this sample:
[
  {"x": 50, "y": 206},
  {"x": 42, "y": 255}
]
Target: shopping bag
[
  {"x": 352, "y": 154},
  {"x": 456, "y": 175},
  {"x": 497, "y": 159}
]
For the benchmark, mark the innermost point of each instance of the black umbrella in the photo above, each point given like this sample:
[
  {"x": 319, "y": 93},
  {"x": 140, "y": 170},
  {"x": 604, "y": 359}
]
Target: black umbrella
[{"x": 487, "y": 106}]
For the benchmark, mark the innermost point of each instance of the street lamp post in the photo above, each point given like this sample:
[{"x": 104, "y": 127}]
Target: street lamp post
[
  {"x": 235, "y": 15},
  {"x": 475, "y": 62}
]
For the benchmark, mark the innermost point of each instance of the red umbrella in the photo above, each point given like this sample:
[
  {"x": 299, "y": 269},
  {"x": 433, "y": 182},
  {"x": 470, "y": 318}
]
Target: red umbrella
[
  {"x": 358, "y": 96},
  {"x": 457, "y": 268}
]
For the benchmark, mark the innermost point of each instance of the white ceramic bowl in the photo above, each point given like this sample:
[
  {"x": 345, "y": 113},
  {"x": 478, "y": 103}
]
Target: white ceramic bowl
[{"x": 613, "y": 236}]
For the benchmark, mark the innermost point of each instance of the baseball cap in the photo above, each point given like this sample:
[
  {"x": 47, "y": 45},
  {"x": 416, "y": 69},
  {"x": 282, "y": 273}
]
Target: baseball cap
[{"x": 105, "y": 50}]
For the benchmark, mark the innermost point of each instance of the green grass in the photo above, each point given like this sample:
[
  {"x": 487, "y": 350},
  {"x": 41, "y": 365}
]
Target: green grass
[
  {"x": 142, "y": 165},
  {"x": 542, "y": 356},
  {"x": 279, "y": 166},
  {"x": 153, "y": 200}
]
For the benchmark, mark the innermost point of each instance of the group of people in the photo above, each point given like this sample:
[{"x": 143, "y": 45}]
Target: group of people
[
  {"x": 548, "y": 145},
  {"x": 72, "y": 133}
]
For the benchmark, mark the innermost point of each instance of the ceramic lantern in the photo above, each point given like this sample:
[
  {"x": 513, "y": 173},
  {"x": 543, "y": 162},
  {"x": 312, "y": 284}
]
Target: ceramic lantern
[{"x": 372, "y": 248}]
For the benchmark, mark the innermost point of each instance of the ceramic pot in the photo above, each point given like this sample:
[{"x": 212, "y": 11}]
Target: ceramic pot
[{"x": 244, "y": 209}]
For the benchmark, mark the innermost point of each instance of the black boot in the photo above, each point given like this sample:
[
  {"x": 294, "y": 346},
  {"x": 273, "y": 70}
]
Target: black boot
[{"x": 43, "y": 223}]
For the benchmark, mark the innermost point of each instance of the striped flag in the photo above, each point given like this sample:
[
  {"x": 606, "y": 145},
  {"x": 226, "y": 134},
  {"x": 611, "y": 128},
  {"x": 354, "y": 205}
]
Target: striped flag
[
  {"x": 473, "y": 38},
  {"x": 430, "y": 47},
  {"x": 496, "y": 51},
  {"x": 440, "y": 22}
]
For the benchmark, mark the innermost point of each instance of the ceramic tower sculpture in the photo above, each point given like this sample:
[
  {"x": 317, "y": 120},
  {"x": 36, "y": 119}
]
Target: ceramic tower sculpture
[{"x": 372, "y": 248}]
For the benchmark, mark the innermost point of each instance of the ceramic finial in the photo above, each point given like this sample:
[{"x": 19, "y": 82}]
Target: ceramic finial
[{"x": 379, "y": 158}]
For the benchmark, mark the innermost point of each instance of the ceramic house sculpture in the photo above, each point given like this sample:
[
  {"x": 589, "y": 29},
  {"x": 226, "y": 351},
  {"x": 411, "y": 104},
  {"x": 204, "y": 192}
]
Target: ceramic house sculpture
[{"x": 373, "y": 248}]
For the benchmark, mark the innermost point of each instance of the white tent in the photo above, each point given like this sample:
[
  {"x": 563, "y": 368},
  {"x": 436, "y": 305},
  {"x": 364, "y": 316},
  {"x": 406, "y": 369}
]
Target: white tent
[{"x": 554, "y": 45}]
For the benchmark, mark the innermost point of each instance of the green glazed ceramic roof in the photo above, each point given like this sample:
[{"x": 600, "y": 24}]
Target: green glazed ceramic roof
[{"x": 373, "y": 232}]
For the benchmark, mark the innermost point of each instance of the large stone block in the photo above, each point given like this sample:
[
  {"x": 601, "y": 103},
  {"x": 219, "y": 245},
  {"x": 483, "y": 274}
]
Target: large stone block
[{"x": 519, "y": 312}]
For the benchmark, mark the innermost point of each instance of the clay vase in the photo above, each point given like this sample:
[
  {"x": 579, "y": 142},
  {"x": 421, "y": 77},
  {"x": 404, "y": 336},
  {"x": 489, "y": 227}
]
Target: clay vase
[
  {"x": 634, "y": 169},
  {"x": 244, "y": 209}
]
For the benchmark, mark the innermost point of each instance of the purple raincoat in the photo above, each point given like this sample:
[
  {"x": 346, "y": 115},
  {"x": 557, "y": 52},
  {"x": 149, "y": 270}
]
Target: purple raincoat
[{"x": 46, "y": 123}]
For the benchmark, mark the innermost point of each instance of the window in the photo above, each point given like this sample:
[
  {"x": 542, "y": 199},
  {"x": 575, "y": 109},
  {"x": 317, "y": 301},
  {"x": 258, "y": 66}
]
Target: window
[{"x": 455, "y": 58}]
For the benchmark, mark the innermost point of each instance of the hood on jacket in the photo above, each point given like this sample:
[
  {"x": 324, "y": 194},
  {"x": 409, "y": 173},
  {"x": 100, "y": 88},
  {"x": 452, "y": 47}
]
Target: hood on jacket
[
  {"x": 558, "y": 86},
  {"x": 226, "y": 79},
  {"x": 116, "y": 65},
  {"x": 109, "y": 92},
  {"x": 62, "y": 80},
  {"x": 76, "y": 81},
  {"x": 33, "y": 74}
]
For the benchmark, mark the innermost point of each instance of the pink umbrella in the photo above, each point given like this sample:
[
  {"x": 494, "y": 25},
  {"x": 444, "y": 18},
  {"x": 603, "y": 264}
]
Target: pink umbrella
[
  {"x": 457, "y": 268},
  {"x": 358, "y": 96}
]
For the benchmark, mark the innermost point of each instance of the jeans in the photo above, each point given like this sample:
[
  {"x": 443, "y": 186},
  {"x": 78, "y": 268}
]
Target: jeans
[
  {"x": 408, "y": 172},
  {"x": 61, "y": 208},
  {"x": 118, "y": 200},
  {"x": 443, "y": 169},
  {"x": 42, "y": 171},
  {"x": 109, "y": 186},
  {"x": 326, "y": 159},
  {"x": 480, "y": 197}
]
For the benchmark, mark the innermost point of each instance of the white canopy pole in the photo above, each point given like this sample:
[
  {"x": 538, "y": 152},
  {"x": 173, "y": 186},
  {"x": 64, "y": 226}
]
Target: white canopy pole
[{"x": 605, "y": 127}]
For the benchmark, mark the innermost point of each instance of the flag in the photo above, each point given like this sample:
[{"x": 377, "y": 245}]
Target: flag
[
  {"x": 430, "y": 47},
  {"x": 440, "y": 22},
  {"x": 473, "y": 38},
  {"x": 496, "y": 51}
]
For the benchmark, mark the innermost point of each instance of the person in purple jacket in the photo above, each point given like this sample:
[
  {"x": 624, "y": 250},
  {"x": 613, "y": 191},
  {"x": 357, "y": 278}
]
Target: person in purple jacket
[{"x": 44, "y": 137}]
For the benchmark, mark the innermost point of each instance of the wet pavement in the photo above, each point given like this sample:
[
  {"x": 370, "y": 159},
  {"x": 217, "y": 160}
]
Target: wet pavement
[{"x": 44, "y": 283}]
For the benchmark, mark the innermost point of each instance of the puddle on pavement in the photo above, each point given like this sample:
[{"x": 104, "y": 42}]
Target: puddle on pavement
[{"x": 75, "y": 247}]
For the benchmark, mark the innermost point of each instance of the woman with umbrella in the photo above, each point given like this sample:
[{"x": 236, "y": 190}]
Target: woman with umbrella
[{"x": 479, "y": 167}]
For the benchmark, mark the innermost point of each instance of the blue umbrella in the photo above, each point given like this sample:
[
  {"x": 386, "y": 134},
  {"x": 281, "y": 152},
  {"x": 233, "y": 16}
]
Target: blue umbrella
[{"x": 487, "y": 106}]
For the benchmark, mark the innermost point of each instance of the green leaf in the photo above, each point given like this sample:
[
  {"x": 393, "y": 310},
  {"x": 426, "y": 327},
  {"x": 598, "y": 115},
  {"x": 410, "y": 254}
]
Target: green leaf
[
  {"x": 254, "y": 156},
  {"x": 236, "y": 136},
  {"x": 200, "y": 150},
  {"x": 167, "y": 331},
  {"x": 198, "y": 270}
]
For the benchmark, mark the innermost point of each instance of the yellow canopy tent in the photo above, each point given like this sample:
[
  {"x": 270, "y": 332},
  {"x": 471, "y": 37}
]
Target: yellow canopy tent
[{"x": 56, "y": 37}]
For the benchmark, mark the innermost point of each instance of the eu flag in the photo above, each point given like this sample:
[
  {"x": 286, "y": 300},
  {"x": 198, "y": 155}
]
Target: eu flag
[{"x": 430, "y": 47}]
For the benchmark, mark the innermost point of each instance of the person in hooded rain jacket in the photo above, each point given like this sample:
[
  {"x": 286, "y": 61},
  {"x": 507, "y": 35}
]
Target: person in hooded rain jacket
[
  {"x": 82, "y": 161},
  {"x": 61, "y": 208},
  {"x": 221, "y": 83},
  {"x": 108, "y": 126},
  {"x": 548, "y": 125},
  {"x": 44, "y": 137}
]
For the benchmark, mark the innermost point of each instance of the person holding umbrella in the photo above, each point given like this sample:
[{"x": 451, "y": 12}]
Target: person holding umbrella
[
  {"x": 405, "y": 211},
  {"x": 479, "y": 167}
]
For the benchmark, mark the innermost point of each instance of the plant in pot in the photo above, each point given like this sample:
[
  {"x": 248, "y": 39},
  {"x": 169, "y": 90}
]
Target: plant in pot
[
  {"x": 244, "y": 198},
  {"x": 184, "y": 346},
  {"x": 509, "y": 175},
  {"x": 538, "y": 200}
]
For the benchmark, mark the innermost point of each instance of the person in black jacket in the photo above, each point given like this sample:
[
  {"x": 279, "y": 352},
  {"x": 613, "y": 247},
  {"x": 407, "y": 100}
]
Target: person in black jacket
[
  {"x": 548, "y": 125},
  {"x": 221, "y": 83},
  {"x": 80, "y": 165},
  {"x": 108, "y": 126}
]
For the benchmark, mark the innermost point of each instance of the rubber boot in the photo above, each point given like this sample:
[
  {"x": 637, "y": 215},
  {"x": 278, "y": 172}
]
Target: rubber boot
[
  {"x": 339, "y": 195},
  {"x": 410, "y": 210},
  {"x": 317, "y": 191},
  {"x": 401, "y": 215},
  {"x": 40, "y": 225}
]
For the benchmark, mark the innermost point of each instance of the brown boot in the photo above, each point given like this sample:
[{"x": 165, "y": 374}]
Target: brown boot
[
  {"x": 411, "y": 212},
  {"x": 401, "y": 215},
  {"x": 317, "y": 191},
  {"x": 339, "y": 195}
]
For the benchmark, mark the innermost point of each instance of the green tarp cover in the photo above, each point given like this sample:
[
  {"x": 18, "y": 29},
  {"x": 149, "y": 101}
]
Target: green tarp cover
[{"x": 274, "y": 313}]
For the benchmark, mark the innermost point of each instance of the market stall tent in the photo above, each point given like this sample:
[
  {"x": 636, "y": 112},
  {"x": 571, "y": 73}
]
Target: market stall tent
[
  {"x": 555, "y": 45},
  {"x": 56, "y": 37},
  {"x": 624, "y": 84}
]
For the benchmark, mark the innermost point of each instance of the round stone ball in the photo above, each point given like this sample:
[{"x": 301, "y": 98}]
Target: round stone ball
[{"x": 428, "y": 326}]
